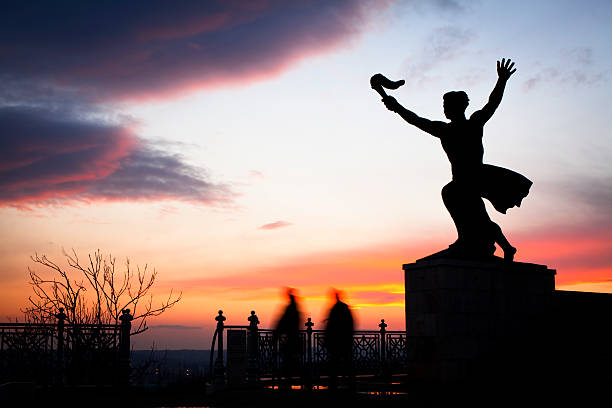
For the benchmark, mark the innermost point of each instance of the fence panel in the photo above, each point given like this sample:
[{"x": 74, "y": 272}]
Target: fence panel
[
  {"x": 27, "y": 352},
  {"x": 65, "y": 353},
  {"x": 379, "y": 352}
]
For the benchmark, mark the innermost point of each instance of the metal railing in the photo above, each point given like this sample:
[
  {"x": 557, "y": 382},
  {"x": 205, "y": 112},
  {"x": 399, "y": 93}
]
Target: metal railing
[
  {"x": 62, "y": 353},
  {"x": 374, "y": 352}
]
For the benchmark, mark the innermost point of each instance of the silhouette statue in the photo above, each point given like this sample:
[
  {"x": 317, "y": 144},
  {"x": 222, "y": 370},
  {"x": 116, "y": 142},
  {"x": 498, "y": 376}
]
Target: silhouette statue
[
  {"x": 472, "y": 180},
  {"x": 339, "y": 341},
  {"x": 288, "y": 337}
]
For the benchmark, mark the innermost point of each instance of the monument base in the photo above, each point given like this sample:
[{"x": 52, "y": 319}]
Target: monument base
[{"x": 475, "y": 320}]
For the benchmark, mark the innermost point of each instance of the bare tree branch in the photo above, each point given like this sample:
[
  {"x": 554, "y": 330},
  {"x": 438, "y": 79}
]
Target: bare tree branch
[{"x": 99, "y": 296}]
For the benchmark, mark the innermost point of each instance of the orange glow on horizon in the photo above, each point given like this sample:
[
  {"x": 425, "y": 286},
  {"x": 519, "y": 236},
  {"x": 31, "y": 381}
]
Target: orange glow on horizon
[{"x": 371, "y": 280}]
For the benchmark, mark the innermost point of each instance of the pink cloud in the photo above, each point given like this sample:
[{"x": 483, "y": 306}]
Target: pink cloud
[
  {"x": 157, "y": 50},
  {"x": 275, "y": 225},
  {"x": 51, "y": 157}
]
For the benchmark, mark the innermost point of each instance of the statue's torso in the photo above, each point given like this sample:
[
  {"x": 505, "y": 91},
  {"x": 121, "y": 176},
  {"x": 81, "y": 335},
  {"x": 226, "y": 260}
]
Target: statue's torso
[{"x": 462, "y": 142}]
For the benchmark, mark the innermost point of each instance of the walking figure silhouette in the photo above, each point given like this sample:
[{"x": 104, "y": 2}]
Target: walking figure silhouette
[
  {"x": 287, "y": 336},
  {"x": 339, "y": 342}
]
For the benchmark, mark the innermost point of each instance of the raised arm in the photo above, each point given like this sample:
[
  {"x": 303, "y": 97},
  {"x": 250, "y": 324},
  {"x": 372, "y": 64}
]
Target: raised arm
[
  {"x": 434, "y": 128},
  {"x": 504, "y": 70}
]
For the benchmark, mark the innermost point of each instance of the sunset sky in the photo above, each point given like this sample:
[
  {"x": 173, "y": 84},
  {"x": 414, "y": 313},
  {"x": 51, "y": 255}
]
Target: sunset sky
[{"x": 237, "y": 147}]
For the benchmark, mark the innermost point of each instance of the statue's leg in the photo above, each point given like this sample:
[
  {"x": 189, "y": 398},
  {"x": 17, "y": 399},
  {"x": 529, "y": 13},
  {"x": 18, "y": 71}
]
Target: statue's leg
[
  {"x": 467, "y": 209},
  {"x": 482, "y": 237},
  {"x": 501, "y": 239},
  {"x": 451, "y": 196}
]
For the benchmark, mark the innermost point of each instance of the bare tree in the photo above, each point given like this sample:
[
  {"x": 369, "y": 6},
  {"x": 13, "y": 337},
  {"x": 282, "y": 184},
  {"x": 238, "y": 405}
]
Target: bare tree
[{"x": 95, "y": 292}]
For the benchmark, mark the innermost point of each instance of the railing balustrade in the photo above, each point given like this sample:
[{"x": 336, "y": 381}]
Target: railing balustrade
[
  {"x": 66, "y": 353},
  {"x": 375, "y": 352}
]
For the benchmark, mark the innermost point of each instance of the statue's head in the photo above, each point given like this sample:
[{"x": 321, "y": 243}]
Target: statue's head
[
  {"x": 336, "y": 294},
  {"x": 291, "y": 294},
  {"x": 455, "y": 103}
]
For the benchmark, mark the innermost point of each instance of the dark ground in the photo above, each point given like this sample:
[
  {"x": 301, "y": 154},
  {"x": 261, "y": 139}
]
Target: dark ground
[
  {"x": 191, "y": 395},
  {"x": 180, "y": 396}
]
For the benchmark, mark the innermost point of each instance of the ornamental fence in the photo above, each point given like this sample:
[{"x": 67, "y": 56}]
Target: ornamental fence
[
  {"x": 253, "y": 353},
  {"x": 60, "y": 353}
]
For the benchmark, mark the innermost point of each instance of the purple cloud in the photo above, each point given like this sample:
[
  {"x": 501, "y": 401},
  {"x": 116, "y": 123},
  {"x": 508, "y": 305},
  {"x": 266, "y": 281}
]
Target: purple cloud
[
  {"x": 50, "y": 157},
  {"x": 147, "y": 49},
  {"x": 67, "y": 56},
  {"x": 577, "y": 70}
]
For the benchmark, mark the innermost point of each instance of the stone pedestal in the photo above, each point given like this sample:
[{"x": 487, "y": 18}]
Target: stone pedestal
[{"x": 470, "y": 320}]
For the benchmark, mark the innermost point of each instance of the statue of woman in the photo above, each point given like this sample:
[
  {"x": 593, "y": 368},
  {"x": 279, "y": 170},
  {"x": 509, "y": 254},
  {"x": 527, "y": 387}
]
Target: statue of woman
[{"x": 473, "y": 180}]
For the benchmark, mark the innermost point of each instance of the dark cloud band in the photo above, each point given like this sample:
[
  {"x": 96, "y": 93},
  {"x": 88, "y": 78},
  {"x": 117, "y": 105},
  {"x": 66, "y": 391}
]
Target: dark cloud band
[
  {"x": 118, "y": 49},
  {"x": 49, "y": 156},
  {"x": 75, "y": 54}
]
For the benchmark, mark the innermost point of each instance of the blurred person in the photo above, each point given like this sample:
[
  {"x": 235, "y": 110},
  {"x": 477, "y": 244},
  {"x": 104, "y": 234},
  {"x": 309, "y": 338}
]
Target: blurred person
[
  {"x": 339, "y": 341},
  {"x": 287, "y": 334}
]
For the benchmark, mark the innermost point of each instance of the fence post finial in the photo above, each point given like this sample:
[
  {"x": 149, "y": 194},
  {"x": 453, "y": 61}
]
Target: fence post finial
[
  {"x": 309, "y": 373},
  {"x": 309, "y": 325},
  {"x": 383, "y": 346},
  {"x": 61, "y": 318},
  {"x": 219, "y": 369},
  {"x": 253, "y": 320},
  {"x": 382, "y": 325},
  {"x": 124, "y": 345},
  {"x": 253, "y": 348}
]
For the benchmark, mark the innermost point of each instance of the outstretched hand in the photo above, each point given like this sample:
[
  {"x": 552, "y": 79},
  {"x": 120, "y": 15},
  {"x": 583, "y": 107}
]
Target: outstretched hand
[
  {"x": 391, "y": 103},
  {"x": 504, "y": 69}
]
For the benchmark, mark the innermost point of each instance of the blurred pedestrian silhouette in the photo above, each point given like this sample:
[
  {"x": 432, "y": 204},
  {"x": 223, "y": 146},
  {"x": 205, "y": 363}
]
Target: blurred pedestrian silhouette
[
  {"x": 472, "y": 180},
  {"x": 288, "y": 337},
  {"x": 339, "y": 342}
]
